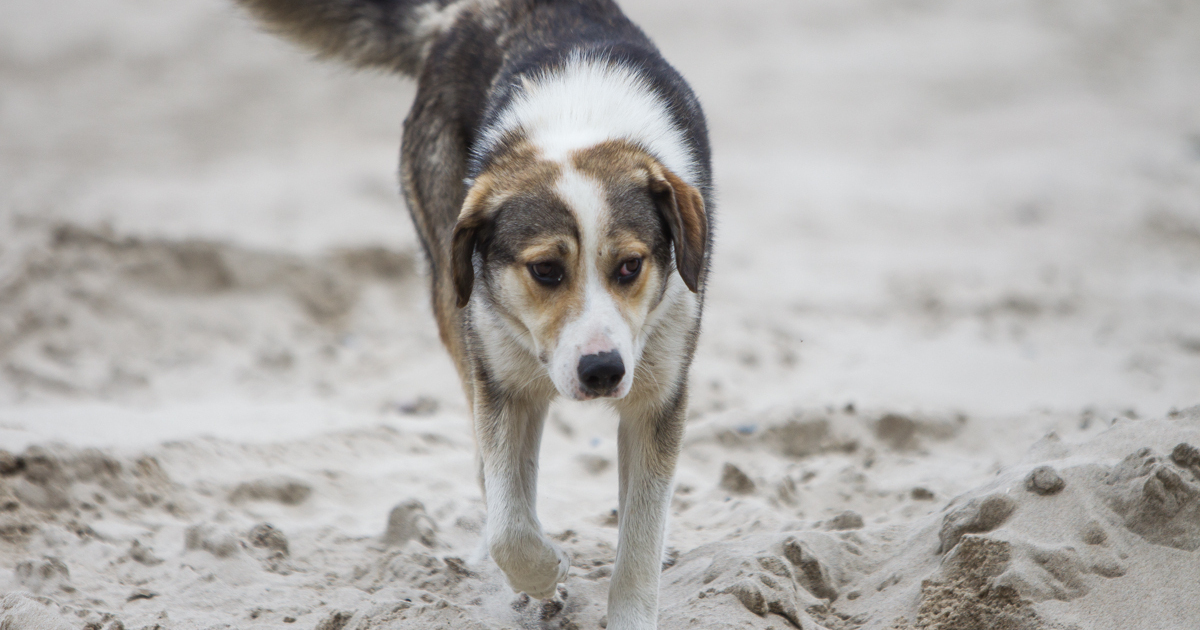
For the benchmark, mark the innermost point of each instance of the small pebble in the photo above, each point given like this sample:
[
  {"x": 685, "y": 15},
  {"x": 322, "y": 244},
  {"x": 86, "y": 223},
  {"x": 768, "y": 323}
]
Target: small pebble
[
  {"x": 845, "y": 520},
  {"x": 421, "y": 406},
  {"x": 408, "y": 521},
  {"x": 9, "y": 464},
  {"x": 1186, "y": 456},
  {"x": 1045, "y": 481},
  {"x": 264, "y": 535},
  {"x": 141, "y": 593},
  {"x": 922, "y": 494},
  {"x": 550, "y": 608},
  {"x": 734, "y": 480}
]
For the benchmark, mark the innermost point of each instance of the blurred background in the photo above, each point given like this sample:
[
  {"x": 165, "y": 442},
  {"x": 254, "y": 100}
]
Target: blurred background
[
  {"x": 944, "y": 230},
  {"x": 986, "y": 206}
]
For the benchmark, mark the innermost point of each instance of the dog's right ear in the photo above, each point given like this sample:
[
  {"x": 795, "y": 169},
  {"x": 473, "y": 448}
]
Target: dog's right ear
[{"x": 473, "y": 222}]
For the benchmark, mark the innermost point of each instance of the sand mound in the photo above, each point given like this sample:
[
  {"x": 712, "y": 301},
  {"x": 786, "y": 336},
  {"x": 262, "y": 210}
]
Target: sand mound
[
  {"x": 57, "y": 485},
  {"x": 1071, "y": 523},
  {"x": 89, "y": 314},
  {"x": 95, "y": 538}
]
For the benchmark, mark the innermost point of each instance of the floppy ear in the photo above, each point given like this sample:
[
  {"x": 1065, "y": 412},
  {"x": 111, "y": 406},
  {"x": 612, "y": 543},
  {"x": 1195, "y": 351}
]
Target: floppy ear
[
  {"x": 683, "y": 208},
  {"x": 473, "y": 220}
]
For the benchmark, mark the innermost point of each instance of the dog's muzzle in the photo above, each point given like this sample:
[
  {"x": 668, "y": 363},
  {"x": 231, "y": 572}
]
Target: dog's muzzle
[{"x": 600, "y": 373}]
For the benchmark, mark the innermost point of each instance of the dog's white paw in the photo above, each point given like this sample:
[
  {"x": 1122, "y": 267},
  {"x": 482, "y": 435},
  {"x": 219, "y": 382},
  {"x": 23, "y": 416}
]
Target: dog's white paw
[{"x": 532, "y": 564}]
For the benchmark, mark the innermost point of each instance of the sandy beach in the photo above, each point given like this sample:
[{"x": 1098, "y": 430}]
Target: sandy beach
[{"x": 949, "y": 377}]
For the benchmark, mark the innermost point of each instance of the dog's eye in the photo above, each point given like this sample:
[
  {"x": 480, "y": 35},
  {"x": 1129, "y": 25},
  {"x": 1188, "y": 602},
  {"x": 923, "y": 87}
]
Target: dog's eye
[
  {"x": 548, "y": 273},
  {"x": 629, "y": 269}
]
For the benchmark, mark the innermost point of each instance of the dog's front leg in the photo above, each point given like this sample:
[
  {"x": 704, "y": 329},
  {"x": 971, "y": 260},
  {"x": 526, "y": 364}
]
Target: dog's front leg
[
  {"x": 509, "y": 429},
  {"x": 648, "y": 443}
]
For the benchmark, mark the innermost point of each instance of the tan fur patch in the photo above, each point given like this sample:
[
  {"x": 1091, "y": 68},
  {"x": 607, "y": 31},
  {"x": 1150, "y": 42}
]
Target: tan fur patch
[
  {"x": 548, "y": 309},
  {"x": 614, "y": 162},
  {"x": 632, "y": 297},
  {"x": 521, "y": 169}
]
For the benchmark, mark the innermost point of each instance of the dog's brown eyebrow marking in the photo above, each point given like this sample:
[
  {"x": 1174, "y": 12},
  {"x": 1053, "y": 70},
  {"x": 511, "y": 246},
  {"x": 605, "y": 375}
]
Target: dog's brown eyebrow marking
[
  {"x": 549, "y": 248},
  {"x": 622, "y": 242}
]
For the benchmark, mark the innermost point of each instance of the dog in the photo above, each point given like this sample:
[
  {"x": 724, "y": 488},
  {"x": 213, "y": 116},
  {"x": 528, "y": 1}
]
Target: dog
[{"x": 558, "y": 172}]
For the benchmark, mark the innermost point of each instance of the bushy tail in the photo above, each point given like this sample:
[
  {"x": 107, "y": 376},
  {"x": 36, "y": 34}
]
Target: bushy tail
[{"x": 390, "y": 34}]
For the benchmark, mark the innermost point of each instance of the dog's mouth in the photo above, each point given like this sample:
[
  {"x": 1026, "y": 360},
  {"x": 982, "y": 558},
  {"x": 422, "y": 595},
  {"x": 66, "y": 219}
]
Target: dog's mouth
[
  {"x": 588, "y": 394},
  {"x": 593, "y": 395}
]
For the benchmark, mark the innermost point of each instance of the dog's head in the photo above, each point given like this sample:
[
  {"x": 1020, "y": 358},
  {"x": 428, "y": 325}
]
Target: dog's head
[{"x": 575, "y": 255}]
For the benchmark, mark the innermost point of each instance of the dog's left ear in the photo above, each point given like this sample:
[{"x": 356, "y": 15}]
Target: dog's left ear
[
  {"x": 469, "y": 231},
  {"x": 682, "y": 207}
]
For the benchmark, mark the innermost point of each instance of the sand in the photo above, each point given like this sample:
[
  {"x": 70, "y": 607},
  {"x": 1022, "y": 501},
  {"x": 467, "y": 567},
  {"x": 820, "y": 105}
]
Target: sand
[{"x": 948, "y": 377}]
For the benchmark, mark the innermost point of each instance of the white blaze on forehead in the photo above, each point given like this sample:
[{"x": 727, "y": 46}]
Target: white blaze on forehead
[
  {"x": 585, "y": 199},
  {"x": 590, "y": 101}
]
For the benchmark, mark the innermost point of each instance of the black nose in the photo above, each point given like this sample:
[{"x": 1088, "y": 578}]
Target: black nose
[{"x": 601, "y": 372}]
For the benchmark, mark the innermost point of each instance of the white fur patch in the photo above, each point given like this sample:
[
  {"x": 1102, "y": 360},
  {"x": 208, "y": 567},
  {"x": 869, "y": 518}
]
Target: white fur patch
[
  {"x": 590, "y": 101},
  {"x": 585, "y": 198}
]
